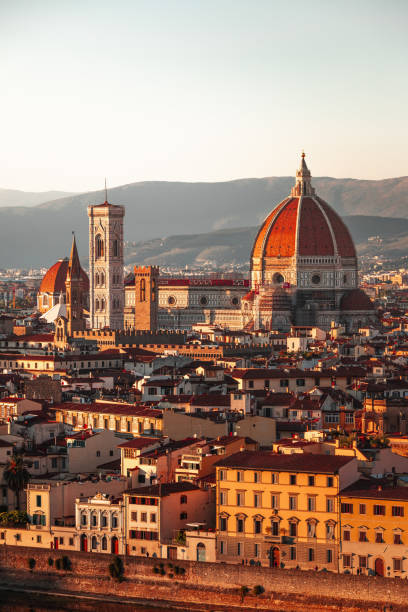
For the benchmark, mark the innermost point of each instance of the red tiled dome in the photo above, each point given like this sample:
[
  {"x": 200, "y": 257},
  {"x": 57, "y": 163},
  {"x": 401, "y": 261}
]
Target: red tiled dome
[
  {"x": 303, "y": 224},
  {"x": 306, "y": 226},
  {"x": 356, "y": 299},
  {"x": 54, "y": 279}
]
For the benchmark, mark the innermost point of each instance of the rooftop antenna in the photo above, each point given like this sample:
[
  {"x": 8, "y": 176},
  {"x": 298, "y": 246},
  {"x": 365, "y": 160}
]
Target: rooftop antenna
[{"x": 106, "y": 193}]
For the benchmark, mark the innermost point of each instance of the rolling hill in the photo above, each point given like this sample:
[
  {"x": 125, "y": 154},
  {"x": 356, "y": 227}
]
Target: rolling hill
[{"x": 39, "y": 235}]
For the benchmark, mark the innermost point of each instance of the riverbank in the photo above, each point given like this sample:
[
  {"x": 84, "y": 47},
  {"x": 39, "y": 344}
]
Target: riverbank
[{"x": 193, "y": 586}]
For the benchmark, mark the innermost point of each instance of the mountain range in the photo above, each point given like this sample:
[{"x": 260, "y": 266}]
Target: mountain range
[{"x": 32, "y": 236}]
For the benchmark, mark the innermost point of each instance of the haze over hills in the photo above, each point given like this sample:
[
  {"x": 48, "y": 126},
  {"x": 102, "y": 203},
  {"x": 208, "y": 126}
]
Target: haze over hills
[
  {"x": 39, "y": 235},
  {"x": 234, "y": 245},
  {"x": 14, "y": 197}
]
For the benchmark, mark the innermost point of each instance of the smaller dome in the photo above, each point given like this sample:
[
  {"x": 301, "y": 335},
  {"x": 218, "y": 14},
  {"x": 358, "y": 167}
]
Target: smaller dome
[
  {"x": 54, "y": 279},
  {"x": 275, "y": 299},
  {"x": 356, "y": 299}
]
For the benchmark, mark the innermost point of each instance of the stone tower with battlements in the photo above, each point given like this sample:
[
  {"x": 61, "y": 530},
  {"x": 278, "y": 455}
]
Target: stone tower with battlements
[
  {"x": 141, "y": 307},
  {"x": 106, "y": 265}
]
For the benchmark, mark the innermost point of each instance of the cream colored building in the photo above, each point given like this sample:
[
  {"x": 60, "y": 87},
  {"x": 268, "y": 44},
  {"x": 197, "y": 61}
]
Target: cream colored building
[{"x": 99, "y": 522}]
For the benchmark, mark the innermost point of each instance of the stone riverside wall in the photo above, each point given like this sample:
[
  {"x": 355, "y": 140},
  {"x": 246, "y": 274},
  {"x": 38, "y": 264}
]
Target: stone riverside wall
[{"x": 204, "y": 585}]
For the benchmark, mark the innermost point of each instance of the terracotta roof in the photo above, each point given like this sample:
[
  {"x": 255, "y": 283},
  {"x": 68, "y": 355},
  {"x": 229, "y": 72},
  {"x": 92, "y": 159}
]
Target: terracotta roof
[
  {"x": 54, "y": 279},
  {"x": 371, "y": 490},
  {"x": 356, "y": 299},
  {"x": 317, "y": 223},
  {"x": 138, "y": 443},
  {"x": 263, "y": 460},
  {"x": 163, "y": 490}
]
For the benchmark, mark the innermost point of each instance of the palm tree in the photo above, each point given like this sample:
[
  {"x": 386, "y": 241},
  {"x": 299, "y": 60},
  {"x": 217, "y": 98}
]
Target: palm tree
[{"x": 16, "y": 476}]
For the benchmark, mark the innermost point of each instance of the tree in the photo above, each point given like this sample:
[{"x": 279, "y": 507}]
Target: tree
[{"x": 16, "y": 476}]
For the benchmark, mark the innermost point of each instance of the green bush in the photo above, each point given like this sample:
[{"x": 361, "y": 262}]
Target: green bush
[
  {"x": 31, "y": 563},
  {"x": 258, "y": 589},
  {"x": 116, "y": 569}
]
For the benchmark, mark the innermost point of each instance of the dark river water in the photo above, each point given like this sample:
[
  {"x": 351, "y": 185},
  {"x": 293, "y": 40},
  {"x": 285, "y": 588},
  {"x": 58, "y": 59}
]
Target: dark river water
[{"x": 11, "y": 601}]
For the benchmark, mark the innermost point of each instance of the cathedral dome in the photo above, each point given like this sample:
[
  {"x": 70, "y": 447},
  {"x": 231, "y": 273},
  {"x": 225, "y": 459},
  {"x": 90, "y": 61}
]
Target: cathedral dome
[
  {"x": 54, "y": 279},
  {"x": 303, "y": 242},
  {"x": 303, "y": 225},
  {"x": 356, "y": 299}
]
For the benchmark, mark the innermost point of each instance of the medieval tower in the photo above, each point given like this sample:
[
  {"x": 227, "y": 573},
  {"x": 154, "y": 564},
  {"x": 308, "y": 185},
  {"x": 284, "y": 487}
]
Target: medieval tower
[
  {"x": 106, "y": 265},
  {"x": 142, "y": 299}
]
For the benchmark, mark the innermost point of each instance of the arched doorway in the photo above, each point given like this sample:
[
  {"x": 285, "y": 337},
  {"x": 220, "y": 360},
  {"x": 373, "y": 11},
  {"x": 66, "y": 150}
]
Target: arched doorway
[
  {"x": 274, "y": 557},
  {"x": 200, "y": 551},
  {"x": 379, "y": 567},
  {"x": 115, "y": 545},
  {"x": 84, "y": 543}
]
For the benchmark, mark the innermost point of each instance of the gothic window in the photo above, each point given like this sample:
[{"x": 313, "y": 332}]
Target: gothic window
[
  {"x": 102, "y": 279},
  {"x": 96, "y": 304},
  {"x": 99, "y": 246},
  {"x": 116, "y": 248},
  {"x": 143, "y": 290},
  {"x": 97, "y": 279},
  {"x": 102, "y": 304}
]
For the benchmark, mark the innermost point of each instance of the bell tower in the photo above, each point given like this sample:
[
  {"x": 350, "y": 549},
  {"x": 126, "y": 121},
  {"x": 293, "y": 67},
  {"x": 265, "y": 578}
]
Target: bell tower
[
  {"x": 145, "y": 298},
  {"x": 74, "y": 293},
  {"x": 106, "y": 265}
]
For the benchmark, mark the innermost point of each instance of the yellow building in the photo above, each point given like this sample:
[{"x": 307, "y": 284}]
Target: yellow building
[
  {"x": 374, "y": 530},
  {"x": 281, "y": 510},
  {"x": 130, "y": 419}
]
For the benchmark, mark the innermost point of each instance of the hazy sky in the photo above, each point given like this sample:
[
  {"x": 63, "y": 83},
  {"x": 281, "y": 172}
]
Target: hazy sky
[{"x": 200, "y": 90}]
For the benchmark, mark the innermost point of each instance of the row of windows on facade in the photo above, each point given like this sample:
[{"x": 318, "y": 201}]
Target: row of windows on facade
[
  {"x": 274, "y": 529},
  {"x": 274, "y": 478},
  {"x": 110, "y": 423},
  {"x": 363, "y": 562},
  {"x": 365, "y": 536},
  {"x": 100, "y": 279},
  {"x": 100, "y": 247},
  {"x": 378, "y": 509},
  {"x": 275, "y": 504},
  {"x": 93, "y": 522},
  {"x": 100, "y": 304},
  {"x": 240, "y": 549}
]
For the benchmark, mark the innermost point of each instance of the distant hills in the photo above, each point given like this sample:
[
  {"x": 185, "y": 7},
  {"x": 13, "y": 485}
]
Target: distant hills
[
  {"x": 39, "y": 235},
  {"x": 234, "y": 245},
  {"x": 14, "y": 197}
]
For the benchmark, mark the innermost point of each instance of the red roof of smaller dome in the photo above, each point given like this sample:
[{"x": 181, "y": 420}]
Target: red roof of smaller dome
[
  {"x": 54, "y": 279},
  {"x": 356, "y": 299}
]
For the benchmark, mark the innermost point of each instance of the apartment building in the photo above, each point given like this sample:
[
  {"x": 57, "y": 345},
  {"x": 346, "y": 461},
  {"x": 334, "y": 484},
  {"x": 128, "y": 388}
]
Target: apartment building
[{"x": 281, "y": 510}]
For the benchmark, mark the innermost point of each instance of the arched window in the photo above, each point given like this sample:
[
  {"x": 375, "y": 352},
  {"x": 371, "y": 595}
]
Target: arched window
[
  {"x": 102, "y": 279},
  {"x": 99, "y": 246},
  {"x": 97, "y": 279},
  {"x": 143, "y": 290},
  {"x": 116, "y": 248},
  {"x": 104, "y": 543},
  {"x": 96, "y": 304},
  {"x": 102, "y": 304},
  {"x": 94, "y": 544}
]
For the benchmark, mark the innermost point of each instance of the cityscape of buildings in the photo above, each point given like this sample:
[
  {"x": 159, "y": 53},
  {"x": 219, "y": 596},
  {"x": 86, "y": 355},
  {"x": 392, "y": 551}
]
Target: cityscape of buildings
[{"x": 258, "y": 420}]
